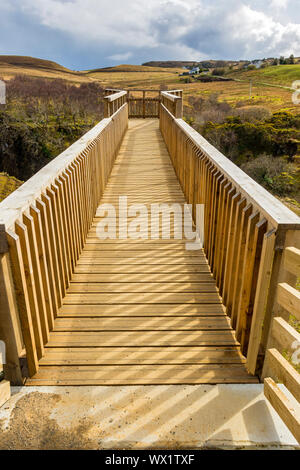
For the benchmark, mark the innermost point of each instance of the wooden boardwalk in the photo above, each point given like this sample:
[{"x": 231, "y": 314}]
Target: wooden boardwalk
[{"x": 141, "y": 311}]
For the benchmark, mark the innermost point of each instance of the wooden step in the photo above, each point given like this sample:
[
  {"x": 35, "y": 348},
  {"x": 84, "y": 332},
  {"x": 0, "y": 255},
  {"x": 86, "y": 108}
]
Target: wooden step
[
  {"x": 147, "y": 338},
  {"x": 194, "y": 279},
  {"x": 142, "y": 324},
  {"x": 142, "y": 298},
  {"x": 120, "y": 310},
  {"x": 137, "y": 355},
  {"x": 142, "y": 375},
  {"x": 97, "y": 267},
  {"x": 87, "y": 286}
]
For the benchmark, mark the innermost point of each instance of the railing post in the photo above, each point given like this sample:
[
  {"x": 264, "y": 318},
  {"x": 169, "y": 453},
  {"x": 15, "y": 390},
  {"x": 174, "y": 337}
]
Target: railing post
[
  {"x": 10, "y": 331},
  {"x": 144, "y": 104},
  {"x": 178, "y": 108},
  {"x": 106, "y": 108}
]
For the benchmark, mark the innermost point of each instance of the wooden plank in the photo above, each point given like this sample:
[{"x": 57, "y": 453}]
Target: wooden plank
[
  {"x": 289, "y": 299},
  {"x": 142, "y": 324},
  {"x": 235, "y": 259},
  {"x": 52, "y": 251},
  {"x": 282, "y": 371},
  {"x": 288, "y": 412},
  {"x": 99, "y": 268},
  {"x": 241, "y": 246},
  {"x": 260, "y": 230},
  {"x": 260, "y": 303},
  {"x": 284, "y": 335},
  {"x": 21, "y": 232},
  {"x": 174, "y": 260},
  {"x": 39, "y": 234},
  {"x": 38, "y": 281},
  {"x": 24, "y": 307},
  {"x": 141, "y": 298},
  {"x": 161, "y": 254},
  {"x": 247, "y": 274},
  {"x": 64, "y": 225},
  {"x": 4, "y": 392},
  {"x": 142, "y": 375},
  {"x": 230, "y": 246},
  {"x": 180, "y": 278},
  {"x": 10, "y": 327},
  {"x": 292, "y": 260},
  {"x": 140, "y": 287},
  {"x": 60, "y": 241},
  {"x": 139, "y": 356},
  {"x": 143, "y": 310},
  {"x": 148, "y": 338}
]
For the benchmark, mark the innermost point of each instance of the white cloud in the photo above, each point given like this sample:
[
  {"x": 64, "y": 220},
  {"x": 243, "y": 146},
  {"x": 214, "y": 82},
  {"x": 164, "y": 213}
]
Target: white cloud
[
  {"x": 174, "y": 29},
  {"x": 279, "y": 4},
  {"x": 120, "y": 57}
]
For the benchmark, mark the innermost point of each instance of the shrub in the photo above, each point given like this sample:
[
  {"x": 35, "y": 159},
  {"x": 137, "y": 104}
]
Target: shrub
[
  {"x": 275, "y": 174},
  {"x": 42, "y": 118},
  {"x": 253, "y": 113},
  {"x": 218, "y": 72}
]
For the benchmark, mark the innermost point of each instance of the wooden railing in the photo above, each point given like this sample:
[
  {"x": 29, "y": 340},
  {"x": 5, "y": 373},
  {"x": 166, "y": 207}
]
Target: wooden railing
[
  {"x": 143, "y": 106},
  {"x": 285, "y": 339},
  {"x": 113, "y": 101},
  {"x": 246, "y": 230},
  {"x": 44, "y": 225},
  {"x": 172, "y": 100},
  {"x": 142, "y": 103}
]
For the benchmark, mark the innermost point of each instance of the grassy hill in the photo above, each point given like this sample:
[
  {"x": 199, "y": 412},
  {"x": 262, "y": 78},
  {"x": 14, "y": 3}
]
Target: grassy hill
[
  {"x": 135, "y": 76},
  {"x": 10, "y": 66},
  {"x": 135, "y": 68},
  {"x": 32, "y": 62},
  {"x": 283, "y": 75}
]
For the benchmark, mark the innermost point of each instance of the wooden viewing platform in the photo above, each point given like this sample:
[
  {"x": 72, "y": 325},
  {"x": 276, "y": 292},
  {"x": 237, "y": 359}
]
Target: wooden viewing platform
[{"x": 78, "y": 310}]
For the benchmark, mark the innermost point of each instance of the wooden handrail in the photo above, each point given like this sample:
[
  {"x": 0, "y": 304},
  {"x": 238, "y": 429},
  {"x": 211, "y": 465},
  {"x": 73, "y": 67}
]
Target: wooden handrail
[
  {"x": 110, "y": 91},
  {"x": 246, "y": 230},
  {"x": 172, "y": 100},
  {"x": 116, "y": 96},
  {"x": 114, "y": 101},
  {"x": 44, "y": 225}
]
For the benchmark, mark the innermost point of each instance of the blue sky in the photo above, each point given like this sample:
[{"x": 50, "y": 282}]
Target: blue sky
[{"x": 94, "y": 33}]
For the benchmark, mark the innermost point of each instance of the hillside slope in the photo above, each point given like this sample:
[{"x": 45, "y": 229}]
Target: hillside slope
[
  {"x": 10, "y": 66},
  {"x": 134, "y": 68},
  {"x": 283, "y": 75},
  {"x": 32, "y": 62}
]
